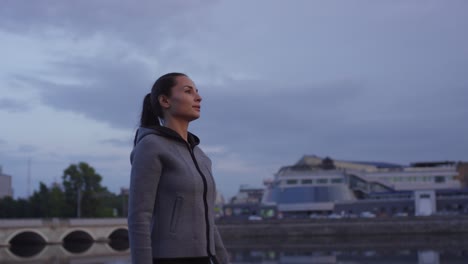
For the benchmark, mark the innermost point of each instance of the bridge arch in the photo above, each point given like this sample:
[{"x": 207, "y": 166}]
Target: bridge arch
[
  {"x": 120, "y": 233},
  {"x": 118, "y": 239},
  {"x": 26, "y": 244},
  {"x": 77, "y": 241},
  {"x": 27, "y": 236},
  {"x": 77, "y": 235}
]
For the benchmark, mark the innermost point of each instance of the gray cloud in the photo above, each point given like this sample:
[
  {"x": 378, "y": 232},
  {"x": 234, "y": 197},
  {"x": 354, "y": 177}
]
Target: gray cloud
[
  {"x": 111, "y": 93},
  {"x": 2, "y": 141},
  {"x": 118, "y": 142},
  {"x": 358, "y": 80},
  {"x": 75, "y": 158},
  {"x": 12, "y": 105},
  {"x": 264, "y": 117},
  {"x": 26, "y": 148},
  {"x": 150, "y": 25}
]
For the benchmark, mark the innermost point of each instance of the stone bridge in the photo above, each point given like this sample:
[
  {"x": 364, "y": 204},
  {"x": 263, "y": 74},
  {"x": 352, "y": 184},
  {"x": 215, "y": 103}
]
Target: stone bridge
[
  {"x": 58, "y": 231},
  {"x": 91, "y": 253}
]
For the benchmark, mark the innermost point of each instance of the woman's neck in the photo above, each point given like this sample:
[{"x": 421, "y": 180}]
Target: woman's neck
[{"x": 181, "y": 127}]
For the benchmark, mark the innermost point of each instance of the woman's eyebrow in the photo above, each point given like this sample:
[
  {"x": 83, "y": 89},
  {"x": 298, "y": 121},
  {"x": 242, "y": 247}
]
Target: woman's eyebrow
[{"x": 190, "y": 87}]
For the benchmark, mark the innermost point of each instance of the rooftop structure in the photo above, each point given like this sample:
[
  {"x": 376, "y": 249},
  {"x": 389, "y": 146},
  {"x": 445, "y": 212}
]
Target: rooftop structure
[{"x": 318, "y": 184}]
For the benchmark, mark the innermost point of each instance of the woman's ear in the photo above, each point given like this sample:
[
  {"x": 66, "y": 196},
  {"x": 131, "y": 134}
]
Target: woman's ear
[{"x": 164, "y": 102}]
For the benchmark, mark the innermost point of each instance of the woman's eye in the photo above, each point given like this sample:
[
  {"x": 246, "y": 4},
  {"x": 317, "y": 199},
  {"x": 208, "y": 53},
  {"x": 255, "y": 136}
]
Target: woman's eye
[{"x": 188, "y": 91}]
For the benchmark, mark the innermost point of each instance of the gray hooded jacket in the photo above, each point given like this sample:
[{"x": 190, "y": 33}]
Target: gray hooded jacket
[{"x": 171, "y": 200}]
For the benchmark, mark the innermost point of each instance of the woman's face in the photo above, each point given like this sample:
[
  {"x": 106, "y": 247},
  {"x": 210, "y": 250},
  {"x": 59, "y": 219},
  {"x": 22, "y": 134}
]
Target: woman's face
[{"x": 184, "y": 102}]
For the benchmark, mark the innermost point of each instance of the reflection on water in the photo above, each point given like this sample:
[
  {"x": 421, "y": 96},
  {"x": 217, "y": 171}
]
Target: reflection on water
[
  {"x": 348, "y": 257},
  {"x": 325, "y": 250},
  {"x": 77, "y": 247},
  {"x": 119, "y": 245},
  {"x": 77, "y": 242},
  {"x": 84, "y": 252},
  {"x": 27, "y": 250},
  {"x": 353, "y": 250}
]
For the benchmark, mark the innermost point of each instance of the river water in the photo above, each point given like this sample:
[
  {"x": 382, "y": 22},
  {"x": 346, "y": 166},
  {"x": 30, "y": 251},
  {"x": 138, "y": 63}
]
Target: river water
[{"x": 451, "y": 249}]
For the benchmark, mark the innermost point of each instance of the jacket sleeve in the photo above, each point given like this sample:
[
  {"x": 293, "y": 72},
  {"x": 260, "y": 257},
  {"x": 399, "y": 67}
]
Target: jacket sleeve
[
  {"x": 144, "y": 179},
  {"x": 221, "y": 253}
]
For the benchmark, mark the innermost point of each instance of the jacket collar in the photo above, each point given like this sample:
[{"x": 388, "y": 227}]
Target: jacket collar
[{"x": 192, "y": 139}]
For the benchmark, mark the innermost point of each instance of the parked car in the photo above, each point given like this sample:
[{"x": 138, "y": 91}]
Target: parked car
[
  {"x": 367, "y": 214},
  {"x": 400, "y": 214},
  {"x": 335, "y": 216},
  {"x": 351, "y": 216},
  {"x": 255, "y": 218},
  {"x": 317, "y": 216}
]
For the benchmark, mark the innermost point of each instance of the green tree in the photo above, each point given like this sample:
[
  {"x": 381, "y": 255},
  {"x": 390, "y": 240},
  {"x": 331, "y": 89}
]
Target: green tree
[
  {"x": 82, "y": 186},
  {"x": 48, "y": 202},
  {"x": 39, "y": 202},
  {"x": 23, "y": 208},
  {"x": 57, "y": 202},
  {"x": 8, "y": 207}
]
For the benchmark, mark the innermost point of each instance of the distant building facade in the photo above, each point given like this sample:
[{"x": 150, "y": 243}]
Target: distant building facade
[
  {"x": 248, "y": 194},
  {"x": 246, "y": 204},
  {"x": 317, "y": 185},
  {"x": 5, "y": 185},
  {"x": 462, "y": 168}
]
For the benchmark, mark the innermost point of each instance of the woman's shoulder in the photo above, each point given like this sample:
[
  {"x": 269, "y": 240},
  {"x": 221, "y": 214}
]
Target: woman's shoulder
[
  {"x": 150, "y": 145},
  {"x": 152, "y": 141}
]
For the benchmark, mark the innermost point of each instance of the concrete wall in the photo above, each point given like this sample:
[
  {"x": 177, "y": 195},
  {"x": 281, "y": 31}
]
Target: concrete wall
[{"x": 343, "y": 227}]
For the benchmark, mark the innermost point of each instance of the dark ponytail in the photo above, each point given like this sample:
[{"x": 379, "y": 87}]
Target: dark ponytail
[
  {"x": 148, "y": 118},
  {"x": 151, "y": 108},
  {"x": 152, "y": 111}
]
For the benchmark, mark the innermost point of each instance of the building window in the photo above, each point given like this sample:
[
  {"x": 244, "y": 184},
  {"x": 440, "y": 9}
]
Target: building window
[
  {"x": 337, "y": 180},
  {"x": 322, "y": 181},
  {"x": 439, "y": 179},
  {"x": 291, "y": 182},
  {"x": 306, "y": 181},
  {"x": 237, "y": 211}
]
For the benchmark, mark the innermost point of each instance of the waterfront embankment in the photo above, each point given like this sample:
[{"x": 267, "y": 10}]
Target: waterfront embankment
[{"x": 354, "y": 227}]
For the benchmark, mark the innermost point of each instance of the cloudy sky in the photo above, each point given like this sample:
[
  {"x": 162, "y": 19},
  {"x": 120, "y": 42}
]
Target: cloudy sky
[{"x": 354, "y": 80}]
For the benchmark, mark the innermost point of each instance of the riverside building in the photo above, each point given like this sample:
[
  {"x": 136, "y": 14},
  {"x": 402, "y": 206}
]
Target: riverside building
[
  {"x": 322, "y": 186},
  {"x": 5, "y": 185}
]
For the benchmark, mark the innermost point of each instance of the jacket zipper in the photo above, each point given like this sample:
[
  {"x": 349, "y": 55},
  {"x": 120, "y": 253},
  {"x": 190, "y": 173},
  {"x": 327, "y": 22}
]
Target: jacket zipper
[{"x": 205, "y": 202}]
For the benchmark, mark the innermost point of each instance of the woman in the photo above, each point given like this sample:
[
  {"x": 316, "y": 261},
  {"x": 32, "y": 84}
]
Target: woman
[{"x": 172, "y": 190}]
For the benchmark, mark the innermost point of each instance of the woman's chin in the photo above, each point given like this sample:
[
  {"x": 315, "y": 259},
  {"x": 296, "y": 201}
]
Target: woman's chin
[{"x": 194, "y": 117}]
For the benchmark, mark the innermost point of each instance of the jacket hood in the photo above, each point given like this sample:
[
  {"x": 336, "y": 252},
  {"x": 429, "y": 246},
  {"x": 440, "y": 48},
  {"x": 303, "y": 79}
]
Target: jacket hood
[{"x": 193, "y": 140}]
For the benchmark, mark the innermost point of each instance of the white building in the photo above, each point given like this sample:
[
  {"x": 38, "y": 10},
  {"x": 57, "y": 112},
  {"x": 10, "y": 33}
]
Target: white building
[
  {"x": 5, "y": 185},
  {"x": 317, "y": 184},
  {"x": 417, "y": 176}
]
